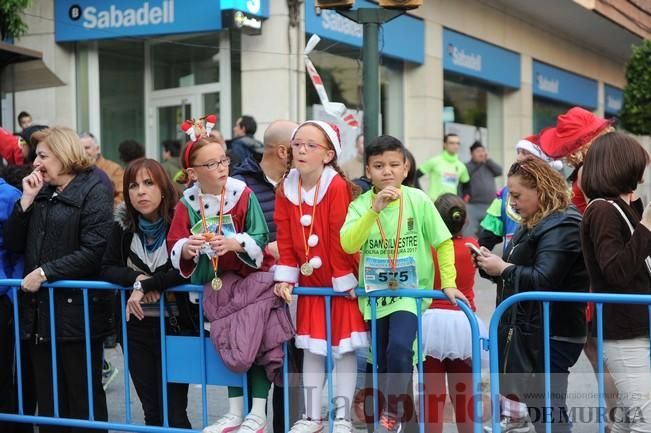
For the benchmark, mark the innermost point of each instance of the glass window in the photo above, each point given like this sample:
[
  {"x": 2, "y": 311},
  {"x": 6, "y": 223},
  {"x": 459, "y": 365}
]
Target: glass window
[
  {"x": 122, "y": 93},
  {"x": 342, "y": 78},
  {"x": 545, "y": 112},
  {"x": 185, "y": 62},
  {"x": 473, "y": 110}
]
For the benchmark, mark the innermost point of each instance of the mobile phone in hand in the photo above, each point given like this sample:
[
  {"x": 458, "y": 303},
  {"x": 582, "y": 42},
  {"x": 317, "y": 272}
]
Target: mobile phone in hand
[{"x": 473, "y": 249}]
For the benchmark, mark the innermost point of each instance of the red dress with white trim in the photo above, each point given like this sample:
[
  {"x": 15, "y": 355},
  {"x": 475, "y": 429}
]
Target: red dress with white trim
[{"x": 331, "y": 266}]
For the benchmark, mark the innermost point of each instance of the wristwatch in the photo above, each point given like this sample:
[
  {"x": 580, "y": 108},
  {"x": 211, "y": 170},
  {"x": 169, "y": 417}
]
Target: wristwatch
[{"x": 137, "y": 286}]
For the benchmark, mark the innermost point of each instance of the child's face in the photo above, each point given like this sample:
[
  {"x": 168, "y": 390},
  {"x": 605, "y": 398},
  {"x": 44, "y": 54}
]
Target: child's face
[
  {"x": 310, "y": 149},
  {"x": 387, "y": 169},
  {"x": 210, "y": 167}
]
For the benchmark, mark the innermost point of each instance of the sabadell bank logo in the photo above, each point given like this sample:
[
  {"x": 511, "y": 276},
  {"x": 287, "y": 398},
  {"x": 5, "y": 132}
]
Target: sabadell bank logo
[
  {"x": 547, "y": 84},
  {"x": 113, "y": 17},
  {"x": 461, "y": 58}
]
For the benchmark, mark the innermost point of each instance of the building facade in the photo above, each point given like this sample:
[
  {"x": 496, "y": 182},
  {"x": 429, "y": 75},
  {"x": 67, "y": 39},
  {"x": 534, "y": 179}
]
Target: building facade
[{"x": 490, "y": 70}]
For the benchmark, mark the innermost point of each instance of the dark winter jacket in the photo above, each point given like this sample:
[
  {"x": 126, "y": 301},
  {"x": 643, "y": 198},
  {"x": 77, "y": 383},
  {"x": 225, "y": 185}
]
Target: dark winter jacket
[
  {"x": 248, "y": 323},
  {"x": 65, "y": 234},
  {"x": 251, "y": 173},
  {"x": 615, "y": 261},
  {"x": 245, "y": 147},
  {"x": 115, "y": 269},
  {"x": 548, "y": 258}
]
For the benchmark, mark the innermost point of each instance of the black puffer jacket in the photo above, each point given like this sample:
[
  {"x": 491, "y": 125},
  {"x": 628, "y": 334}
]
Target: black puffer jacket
[
  {"x": 65, "y": 234},
  {"x": 250, "y": 172}
]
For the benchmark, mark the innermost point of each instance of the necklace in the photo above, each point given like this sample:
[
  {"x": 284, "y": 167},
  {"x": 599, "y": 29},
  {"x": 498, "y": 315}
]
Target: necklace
[
  {"x": 216, "y": 282},
  {"x": 393, "y": 261},
  {"x": 306, "y": 268}
]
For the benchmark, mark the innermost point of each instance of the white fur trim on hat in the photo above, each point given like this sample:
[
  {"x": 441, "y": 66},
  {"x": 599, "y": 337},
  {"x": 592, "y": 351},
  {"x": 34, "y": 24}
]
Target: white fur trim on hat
[
  {"x": 536, "y": 151},
  {"x": 327, "y": 129}
]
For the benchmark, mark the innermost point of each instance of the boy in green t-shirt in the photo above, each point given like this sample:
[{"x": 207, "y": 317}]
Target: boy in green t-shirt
[{"x": 387, "y": 216}]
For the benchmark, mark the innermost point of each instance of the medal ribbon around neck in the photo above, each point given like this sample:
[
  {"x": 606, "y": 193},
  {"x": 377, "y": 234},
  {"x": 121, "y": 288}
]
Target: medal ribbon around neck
[
  {"x": 393, "y": 261},
  {"x": 300, "y": 207},
  {"x": 214, "y": 258}
]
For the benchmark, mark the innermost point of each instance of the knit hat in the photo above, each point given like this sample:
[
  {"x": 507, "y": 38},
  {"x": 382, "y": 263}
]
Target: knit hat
[
  {"x": 530, "y": 145},
  {"x": 332, "y": 131},
  {"x": 10, "y": 148},
  {"x": 572, "y": 131}
]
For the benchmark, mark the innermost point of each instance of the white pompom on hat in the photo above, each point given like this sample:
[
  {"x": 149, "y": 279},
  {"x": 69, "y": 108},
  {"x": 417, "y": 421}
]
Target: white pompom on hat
[{"x": 332, "y": 131}]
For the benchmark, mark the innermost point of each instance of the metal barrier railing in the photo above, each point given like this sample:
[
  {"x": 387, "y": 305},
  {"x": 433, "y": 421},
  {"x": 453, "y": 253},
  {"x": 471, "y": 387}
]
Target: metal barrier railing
[
  {"x": 205, "y": 356},
  {"x": 546, "y": 297}
]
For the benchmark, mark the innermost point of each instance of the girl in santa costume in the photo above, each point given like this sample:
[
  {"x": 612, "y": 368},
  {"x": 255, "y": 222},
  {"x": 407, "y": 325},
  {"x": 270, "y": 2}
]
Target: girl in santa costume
[
  {"x": 218, "y": 226},
  {"x": 311, "y": 206}
]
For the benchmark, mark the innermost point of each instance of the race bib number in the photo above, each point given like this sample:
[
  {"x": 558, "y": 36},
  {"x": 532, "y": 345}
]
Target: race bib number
[
  {"x": 228, "y": 230},
  {"x": 378, "y": 274},
  {"x": 450, "y": 179}
]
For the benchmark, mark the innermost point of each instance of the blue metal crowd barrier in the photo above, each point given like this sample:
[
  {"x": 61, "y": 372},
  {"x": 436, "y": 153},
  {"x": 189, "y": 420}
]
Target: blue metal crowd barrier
[
  {"x": 181, "y": 354},
  {"x": 546, "y": 297}
]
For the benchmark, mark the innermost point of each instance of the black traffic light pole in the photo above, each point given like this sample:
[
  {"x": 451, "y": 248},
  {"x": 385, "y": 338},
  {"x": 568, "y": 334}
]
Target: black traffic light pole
[{"x": 371, "y": 18}]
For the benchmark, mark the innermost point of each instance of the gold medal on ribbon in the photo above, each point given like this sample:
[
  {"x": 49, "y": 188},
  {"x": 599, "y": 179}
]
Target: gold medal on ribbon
[
  {"x": 393, "y": 284},
  {"x": 216, "y": 284},
  {"x": 307, "y": 269}
]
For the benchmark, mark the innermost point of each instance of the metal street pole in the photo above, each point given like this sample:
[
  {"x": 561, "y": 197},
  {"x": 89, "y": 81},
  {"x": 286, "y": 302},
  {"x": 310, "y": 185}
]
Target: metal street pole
[{"x": 371, "y": 18}]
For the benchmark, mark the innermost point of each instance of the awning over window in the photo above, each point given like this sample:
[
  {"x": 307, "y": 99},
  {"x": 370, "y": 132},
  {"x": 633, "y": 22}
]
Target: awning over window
[{"x": 30, "y": 72}]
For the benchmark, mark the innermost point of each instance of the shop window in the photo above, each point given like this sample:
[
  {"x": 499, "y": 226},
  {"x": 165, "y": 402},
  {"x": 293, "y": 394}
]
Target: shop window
[
  {"x": 342, "y": 78},
  {"x": 185, "y": 62},
  {"x": 122, "y": 93},
  {"x": 545, "y": 113},
  {"x": 473, "y": 110}
]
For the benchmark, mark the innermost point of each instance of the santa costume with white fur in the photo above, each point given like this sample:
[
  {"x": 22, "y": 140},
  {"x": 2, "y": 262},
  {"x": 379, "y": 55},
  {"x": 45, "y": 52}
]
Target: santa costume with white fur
[{"x": 322, "y": 216}]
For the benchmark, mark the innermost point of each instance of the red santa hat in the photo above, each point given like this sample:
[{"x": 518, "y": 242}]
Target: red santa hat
[
  {"x": 572, "y": 131},
  {"x": 330, "y": 130},
  {"x": 10, "y": 148}
]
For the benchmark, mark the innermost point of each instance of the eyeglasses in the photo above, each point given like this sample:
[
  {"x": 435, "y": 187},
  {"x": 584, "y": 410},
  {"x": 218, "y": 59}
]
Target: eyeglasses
[
  {"x": 212, "y": 165},
  {"x": 309, "y": 146}
]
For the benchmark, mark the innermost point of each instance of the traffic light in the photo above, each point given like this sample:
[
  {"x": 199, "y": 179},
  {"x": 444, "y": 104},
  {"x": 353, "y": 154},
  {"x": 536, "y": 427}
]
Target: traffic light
[
  {"x": 334, "y": 4},
  {"x": 400, "y": 4}
]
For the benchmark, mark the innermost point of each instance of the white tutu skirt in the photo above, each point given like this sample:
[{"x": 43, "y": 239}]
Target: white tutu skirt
[{"x": 446, "y": 335}]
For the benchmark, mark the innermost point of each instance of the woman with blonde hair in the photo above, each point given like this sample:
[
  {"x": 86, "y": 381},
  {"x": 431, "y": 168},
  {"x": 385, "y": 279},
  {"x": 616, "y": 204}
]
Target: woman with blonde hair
[
  {"x": 544, "y": 255},
  {"x": 61, "y": 224}
]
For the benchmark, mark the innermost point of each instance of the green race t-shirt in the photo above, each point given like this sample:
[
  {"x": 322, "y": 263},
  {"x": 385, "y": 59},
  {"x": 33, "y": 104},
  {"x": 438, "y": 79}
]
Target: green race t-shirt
[
  {"x": 445, "y": 172},
  {"x": 422, "y": 228}
]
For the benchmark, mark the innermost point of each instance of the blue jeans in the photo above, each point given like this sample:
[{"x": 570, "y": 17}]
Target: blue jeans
[
  {"x": 563, "y": 355},
  {"x": 395, "y": 358}
]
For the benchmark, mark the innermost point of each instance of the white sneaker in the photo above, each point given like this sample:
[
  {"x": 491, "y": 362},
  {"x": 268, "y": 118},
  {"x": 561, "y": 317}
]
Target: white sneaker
[
  {"x": 225, "y": 424},
  {"x": 253, "y": 424},
  {"x": 342, "y": 425},
  {"x": 307, "y": 426}
]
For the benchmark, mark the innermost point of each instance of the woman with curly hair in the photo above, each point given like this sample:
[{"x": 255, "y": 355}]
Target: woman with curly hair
[{"x": 544, "y": 255}]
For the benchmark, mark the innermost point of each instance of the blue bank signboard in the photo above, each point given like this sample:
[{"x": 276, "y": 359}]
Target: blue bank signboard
[
  {"x": 78, "y": 20},
  {"x": 613, "y": 99},
  {"x": 481, "y": 60},
  {"x": 560, "y": 85},
  {"x": 402, "y": 38}
]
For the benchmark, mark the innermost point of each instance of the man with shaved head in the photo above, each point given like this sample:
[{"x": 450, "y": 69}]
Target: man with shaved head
[{"x": 263, "y": 177}]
